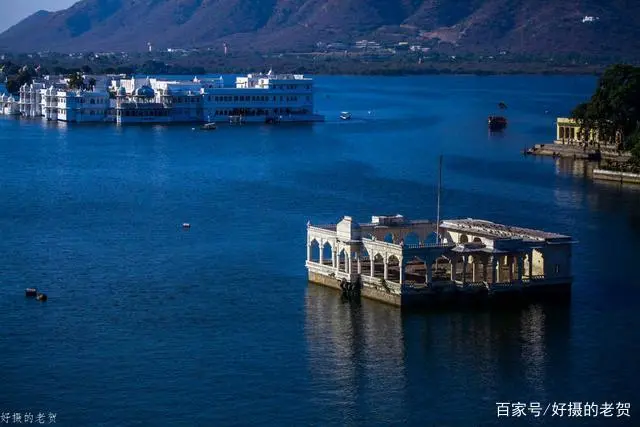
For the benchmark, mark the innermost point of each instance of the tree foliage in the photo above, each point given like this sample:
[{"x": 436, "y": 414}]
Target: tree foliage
[
  {"x": 20, "y": 77},
  {"x": 614, "y": 109},
  {"x": 76, "y": 81}
]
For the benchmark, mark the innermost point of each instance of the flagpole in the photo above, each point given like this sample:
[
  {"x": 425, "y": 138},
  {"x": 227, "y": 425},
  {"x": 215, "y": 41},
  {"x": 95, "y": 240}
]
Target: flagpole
[{"x": 439, "y": 190}]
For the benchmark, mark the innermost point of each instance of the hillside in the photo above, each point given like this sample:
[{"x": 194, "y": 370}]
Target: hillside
[{"x": 521, "y": 26}]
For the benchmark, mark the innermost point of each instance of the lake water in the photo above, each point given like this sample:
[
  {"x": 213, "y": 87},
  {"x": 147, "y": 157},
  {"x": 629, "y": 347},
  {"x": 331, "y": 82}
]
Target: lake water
[{"x": 151, "y": 325}]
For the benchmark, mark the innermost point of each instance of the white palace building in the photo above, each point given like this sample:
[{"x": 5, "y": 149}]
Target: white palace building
[{"x": 260, "y": 98}]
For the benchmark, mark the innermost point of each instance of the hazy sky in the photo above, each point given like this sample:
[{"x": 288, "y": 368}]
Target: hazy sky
[{"x": 13, "y": 11}]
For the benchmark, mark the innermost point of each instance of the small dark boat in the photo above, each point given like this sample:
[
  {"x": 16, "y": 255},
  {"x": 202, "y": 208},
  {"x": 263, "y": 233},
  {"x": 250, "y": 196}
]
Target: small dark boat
[
  {"x": 497, "y": 123},
  {"x": 41, "y": 297},
  {"x": 31, "y": 292}
]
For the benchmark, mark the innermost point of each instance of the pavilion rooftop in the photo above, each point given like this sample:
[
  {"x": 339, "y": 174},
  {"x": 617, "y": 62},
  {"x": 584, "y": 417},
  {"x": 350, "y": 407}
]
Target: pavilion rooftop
[{"x": 500, "y": 231}]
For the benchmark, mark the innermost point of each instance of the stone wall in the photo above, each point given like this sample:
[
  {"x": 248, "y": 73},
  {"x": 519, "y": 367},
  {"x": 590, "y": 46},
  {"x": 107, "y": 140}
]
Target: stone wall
[{"x": 622, "y": 177}]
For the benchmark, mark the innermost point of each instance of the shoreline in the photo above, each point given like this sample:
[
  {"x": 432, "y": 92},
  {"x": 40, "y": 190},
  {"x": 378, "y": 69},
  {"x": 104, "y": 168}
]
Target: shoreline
[
  {"x": 600, "y": 172},
  {"x": 572, "y": 152}
]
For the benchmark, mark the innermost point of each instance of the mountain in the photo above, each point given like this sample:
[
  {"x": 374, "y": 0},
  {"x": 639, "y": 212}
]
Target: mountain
[{"x": 525, "y": 26}]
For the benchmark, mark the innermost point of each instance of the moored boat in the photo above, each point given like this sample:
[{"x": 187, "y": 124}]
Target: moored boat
[
  {"x": 497, "y": 122},
  {"x": 345, "y": 115},
  {"x": 209, "y": 126}
]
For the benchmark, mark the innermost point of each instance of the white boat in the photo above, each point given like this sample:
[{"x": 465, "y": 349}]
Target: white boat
[
  {"x": 345, "y": 115},
  {"x": 209, "y": 126}
]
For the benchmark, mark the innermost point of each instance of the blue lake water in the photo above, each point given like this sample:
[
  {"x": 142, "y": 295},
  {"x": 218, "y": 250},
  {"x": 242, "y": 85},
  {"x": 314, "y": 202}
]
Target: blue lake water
[{"x": 151, "y": 325}]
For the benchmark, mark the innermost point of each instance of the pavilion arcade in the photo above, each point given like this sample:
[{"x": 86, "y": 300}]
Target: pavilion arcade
[{"x": 392, "y": 258}]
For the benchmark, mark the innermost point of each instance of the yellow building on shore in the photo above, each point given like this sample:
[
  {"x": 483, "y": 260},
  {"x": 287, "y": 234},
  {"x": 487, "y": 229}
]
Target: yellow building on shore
[{"x": 568, "y": 133}]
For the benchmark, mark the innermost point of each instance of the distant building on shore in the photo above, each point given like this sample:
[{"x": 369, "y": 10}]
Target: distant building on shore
[
  {"x": 568, "y": 132},
  {"x": 261, "y": 98}
]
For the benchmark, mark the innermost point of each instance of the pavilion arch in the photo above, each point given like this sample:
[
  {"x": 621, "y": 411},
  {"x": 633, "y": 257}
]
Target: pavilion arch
[
  {"x": 389, "y": 238},
  {"x": 411, "y": 239},
  {"x": 440, "y": 269},
  {"x": 463, "y": 238},
  {"x": 415, "y": 270},
  {"x": 342, "y": 260},
  {"x": 378, "y": 265},
  {"x": 315, "y": 251},
  {"x": 393, "y": 268},
  {"x": 365, "y": 262},
  {"x": 327, "y": 253},
  {"x": 477, "y": 240},
  {"x": 447, "y": 238},
  {"x": 432, "y": 238}
]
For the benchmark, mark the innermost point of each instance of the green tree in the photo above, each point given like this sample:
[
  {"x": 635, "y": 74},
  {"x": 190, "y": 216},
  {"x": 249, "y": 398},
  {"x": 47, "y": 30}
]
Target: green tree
[
  {"x": 22, "y": 77},
  {"x": 76, "y": 81},
  {"x": 614, "y": 109}
]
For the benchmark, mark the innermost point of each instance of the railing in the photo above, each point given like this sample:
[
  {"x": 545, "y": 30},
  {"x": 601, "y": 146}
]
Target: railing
[
  {"x": 429, "y": 245},
  {"x": 331, "y": 227}
]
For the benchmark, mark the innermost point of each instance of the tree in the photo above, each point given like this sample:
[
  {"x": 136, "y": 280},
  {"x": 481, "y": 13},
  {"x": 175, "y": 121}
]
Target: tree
[
  {"x": 76, "y": 81},
  {"x": 614, "y": 109},
  {"x": 16, "y": 81}
]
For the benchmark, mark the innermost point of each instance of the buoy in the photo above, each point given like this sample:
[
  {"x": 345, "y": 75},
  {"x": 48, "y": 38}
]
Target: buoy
[
  {"x": 31, "y": 292},
  {"x": 41, "y": 297}
]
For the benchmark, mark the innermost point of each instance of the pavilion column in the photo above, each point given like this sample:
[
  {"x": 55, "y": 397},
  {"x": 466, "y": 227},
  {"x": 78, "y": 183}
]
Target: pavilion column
[
  {"x": 401, "y": 266},
  {"x": 454, "y": 262},
  {"x": 520, "y": 267},
  {"x": 495, "y": 269},
  {"x": 474, "y": 271},
  {"x": 359, "y": 263},
  {"x": 429, "y": 272},
  {"x": 372, "y": 265},
  {"x": 530, "y": 264},
  {"x": 308, "y": 251},
  {"x": 465, "y": 261},
  {"x": 386, "y": 269},
  {"x": 484, "y": 269},
  {"x": 334, "y": 259},
  {"x": 511, "y": 265},
  {"x": 321, "y": 252}
]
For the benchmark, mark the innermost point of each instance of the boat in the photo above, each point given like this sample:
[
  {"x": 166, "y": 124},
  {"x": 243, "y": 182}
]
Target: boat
[
  {"x": 497, "y": 123},
  {"x": 345, "y": 115},
  {"x": 209, "y": 126}
]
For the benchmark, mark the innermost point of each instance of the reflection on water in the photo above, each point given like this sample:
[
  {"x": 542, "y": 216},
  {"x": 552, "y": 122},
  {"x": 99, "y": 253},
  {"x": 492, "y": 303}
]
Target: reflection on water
[
  {"x": 482, "y": 353},
  {"x": 376, "y": 350},
  {"x": 577, "y": 168},
  {"x": 356, "y": 356}
]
